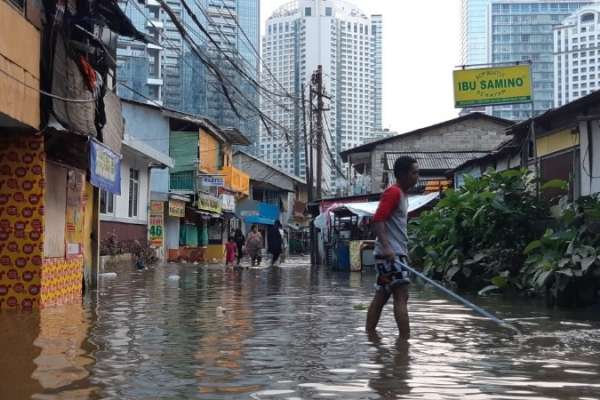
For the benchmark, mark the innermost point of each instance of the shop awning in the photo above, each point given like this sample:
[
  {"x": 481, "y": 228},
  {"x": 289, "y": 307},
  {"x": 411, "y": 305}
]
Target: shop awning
[
  {"x": 369, "y": 209},
  {"x": 254, "y": 219}
]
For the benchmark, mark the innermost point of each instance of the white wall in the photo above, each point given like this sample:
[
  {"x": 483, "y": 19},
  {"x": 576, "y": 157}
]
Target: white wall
[
  {"x": 589, "y": 184},
  {"x": 121, "y": 213}
]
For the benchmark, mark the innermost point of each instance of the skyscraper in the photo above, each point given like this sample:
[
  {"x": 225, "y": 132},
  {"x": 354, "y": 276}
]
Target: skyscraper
[
  {"x": 474, "y": 31},
  {"x": 576, "y": 55},
  {"x": 521, "y": 31},
  {"x": 335, "y": 34},
  {"x": 170, "y": 73},
  {"x": 377, "y": 57}
]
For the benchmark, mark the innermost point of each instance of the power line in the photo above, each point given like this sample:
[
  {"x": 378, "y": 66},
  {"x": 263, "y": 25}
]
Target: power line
[
  {"x": 260, "y": 114},
  {"x": 48, "y": 94}
]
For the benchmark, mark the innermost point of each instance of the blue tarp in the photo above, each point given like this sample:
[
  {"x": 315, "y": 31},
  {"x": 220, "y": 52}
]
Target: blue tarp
[{"x": 255, "y": 212}]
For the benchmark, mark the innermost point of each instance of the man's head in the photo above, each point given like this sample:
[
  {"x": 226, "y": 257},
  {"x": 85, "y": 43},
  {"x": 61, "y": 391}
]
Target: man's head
[{"x": 406, "y": 171}]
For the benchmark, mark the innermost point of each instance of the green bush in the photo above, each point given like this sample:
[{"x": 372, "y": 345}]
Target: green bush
[
  {"x": 477, "y": 234},
  {"x": 565, "y": 261}
]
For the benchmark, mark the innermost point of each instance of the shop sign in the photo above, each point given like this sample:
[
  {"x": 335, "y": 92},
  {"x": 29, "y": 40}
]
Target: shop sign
[
  {"x": 489, "y": 86},
  {"x": 227, "y": 202},
  {"x": 210, "y": 203},
  {"x": 157, "y": 207},
  {"x": 105, "y": 168},
  {"x": 177, "y": 208},
  {"x": 212, "y": 181},
  {"x": 156, "y": 230}
]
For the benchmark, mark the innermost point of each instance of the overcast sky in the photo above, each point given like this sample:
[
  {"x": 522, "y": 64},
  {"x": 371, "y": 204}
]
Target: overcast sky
[{"x": 420, "y": 48}]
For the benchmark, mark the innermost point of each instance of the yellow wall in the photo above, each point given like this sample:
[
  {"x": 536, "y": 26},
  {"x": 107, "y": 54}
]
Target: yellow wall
[
  {"x": 557, "y": 141},
  {"x": 19, "y": 58},
  {"x": 209, "y": 150},
  {"x": 236, "y": 180},
  {"x": 215, "y": 252}
]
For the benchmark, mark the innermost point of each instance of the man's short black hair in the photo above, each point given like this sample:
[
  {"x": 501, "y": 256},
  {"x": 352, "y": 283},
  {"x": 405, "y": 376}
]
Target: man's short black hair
[{"x": 402, "y": 165}]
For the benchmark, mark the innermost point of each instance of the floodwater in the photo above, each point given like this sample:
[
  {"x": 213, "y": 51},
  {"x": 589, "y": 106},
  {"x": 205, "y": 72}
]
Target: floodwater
[{"x": 294, "y": 332}]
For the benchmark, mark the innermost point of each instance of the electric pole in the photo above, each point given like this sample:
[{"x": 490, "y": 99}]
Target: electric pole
[
  {"x": 318, "y": 82},
  {"x": 306, "y": 165}
]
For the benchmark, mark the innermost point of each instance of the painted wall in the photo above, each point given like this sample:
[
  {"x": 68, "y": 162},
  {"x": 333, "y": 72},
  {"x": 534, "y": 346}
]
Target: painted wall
[
  {"x": 22, "y": 171},
  {"x": 55, "y": 202},
  {"x": 148, "y": 124},
  {"x": 19, "y": 58},
  {"x": 209, "y": 150}
]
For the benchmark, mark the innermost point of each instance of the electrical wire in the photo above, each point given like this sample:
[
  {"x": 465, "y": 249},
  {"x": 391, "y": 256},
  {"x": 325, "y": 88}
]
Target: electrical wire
[
  {"x": 264, "y": 118},
  {"x": 48, "y": 94}
]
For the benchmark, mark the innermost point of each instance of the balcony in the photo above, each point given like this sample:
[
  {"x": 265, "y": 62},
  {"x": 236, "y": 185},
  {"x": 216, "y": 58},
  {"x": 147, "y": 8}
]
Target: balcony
[
  {"x": 19, "y": 68},
  {"x": 236, "y": 180},
  {"x": 183, "y": 182}
]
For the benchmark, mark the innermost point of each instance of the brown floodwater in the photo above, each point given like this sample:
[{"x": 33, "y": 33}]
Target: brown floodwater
[{"x": 294, "y": 332}]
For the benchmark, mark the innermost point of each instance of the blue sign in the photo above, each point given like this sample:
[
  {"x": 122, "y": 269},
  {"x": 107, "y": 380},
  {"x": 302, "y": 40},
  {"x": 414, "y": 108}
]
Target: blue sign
[{"x": 105, "y": 168}]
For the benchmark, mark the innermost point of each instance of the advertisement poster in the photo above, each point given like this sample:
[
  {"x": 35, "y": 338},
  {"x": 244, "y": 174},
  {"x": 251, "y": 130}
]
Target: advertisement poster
[{"x": 105, "y": 168}]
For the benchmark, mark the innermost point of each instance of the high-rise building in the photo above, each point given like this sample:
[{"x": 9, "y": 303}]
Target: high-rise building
[
  {"x": 169, "y": 72},
  {"x": 474, "y": 31},
  {"x": 139, "y": 65},
  {"x": 300, "y": 36},
  {"x": 522, "y": 31},
  {"x": 377, "y": 57},
  {"x": 577, "y": 55}
]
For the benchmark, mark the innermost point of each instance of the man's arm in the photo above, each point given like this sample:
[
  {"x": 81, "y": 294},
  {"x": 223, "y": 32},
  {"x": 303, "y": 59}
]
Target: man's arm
[{"x": 381, "y": 232}]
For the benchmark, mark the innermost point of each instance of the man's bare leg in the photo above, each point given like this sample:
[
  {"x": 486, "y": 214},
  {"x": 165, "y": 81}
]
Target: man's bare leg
[
  {"x": 401, "y": 310},
  {"x": 374, "y": 313}
]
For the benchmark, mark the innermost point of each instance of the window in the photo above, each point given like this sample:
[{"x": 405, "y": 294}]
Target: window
[
  {"x": 134, "y": 192},
  {"x": 328, "y": 12},
  {"x": 18, "y": 3},
  {"x": 307, "y": 11},
  {"x": 107, "y": 202}
]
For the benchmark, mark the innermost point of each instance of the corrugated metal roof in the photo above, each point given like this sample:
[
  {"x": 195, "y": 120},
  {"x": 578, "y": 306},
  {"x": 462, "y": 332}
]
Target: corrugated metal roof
[{"x": 434, "y": 161}]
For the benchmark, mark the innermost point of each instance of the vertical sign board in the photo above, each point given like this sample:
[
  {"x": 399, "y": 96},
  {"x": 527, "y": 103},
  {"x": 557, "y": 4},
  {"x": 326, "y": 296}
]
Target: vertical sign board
[
  {"x": 156, "y": 223},
  {"x": 492, "y": 86}
]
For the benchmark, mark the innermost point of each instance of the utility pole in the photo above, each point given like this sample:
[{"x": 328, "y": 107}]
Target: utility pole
[
  {"x": 318, "y": 82},
  {"x": 306, "y": 165},
  {"x": 311, "y": 164}
]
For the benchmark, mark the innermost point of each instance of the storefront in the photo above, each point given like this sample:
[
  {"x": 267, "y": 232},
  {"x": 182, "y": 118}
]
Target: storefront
[{"x": 212, "y": 227}]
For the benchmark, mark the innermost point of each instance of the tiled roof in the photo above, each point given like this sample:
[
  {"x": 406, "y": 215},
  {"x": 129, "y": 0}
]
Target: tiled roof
[{"x": 434, "y": 161}]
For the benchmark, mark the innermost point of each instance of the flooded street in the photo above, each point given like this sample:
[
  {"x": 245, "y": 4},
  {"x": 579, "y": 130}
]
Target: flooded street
[{"x": 294, "y": 332}]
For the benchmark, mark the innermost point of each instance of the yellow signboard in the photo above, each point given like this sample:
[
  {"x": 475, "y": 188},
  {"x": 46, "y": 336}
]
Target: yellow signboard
[{"x": 492, "y": 86}]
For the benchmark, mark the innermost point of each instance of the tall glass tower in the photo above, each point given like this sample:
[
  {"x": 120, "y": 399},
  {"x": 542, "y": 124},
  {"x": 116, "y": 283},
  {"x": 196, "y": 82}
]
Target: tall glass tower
[
  {"x": 523, "y": 31},
  {"x": 170, "y": 73},
  {"x": 474, "y": 31}
]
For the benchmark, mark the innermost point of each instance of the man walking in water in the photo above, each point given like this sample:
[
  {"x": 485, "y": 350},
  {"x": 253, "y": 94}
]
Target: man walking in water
[{"x": 391, "y": 247}]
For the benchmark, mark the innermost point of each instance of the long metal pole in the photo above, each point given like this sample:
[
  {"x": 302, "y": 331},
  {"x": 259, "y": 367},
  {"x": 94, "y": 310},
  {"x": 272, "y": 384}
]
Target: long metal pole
[
  {"x": 306, "y": 166},
  {"x": 462, "y": 300},
  {"x": 319, "y": 83}
]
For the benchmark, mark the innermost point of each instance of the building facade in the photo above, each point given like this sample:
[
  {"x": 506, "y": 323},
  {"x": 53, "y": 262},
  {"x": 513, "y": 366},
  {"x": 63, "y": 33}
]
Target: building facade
[
  {"x": 168, "y": 72},
  {"x": 299, "y": 37},
  {"x": 522, "y": 31},
  {"x": 576, "y": 55},
  {"x": 474, "y": 31}
]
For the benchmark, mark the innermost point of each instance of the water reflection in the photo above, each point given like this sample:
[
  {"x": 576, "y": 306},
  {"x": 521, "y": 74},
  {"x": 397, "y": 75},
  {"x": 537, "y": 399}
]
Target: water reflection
[{"x": 293, "y": 332}]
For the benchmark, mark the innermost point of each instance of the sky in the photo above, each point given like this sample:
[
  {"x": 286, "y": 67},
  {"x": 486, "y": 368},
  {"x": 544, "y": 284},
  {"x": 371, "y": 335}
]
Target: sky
[{"x": 421, "y": 47}]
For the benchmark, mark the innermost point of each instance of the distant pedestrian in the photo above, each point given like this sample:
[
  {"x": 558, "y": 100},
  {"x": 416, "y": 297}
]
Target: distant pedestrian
[
  {"x": 275, "y": 242},
  {"x": 230, "y": 251},
  {"x": 239, "y": 239},
  {"x": 391, "y": 247},
  {"x": 254, "y": 245}
]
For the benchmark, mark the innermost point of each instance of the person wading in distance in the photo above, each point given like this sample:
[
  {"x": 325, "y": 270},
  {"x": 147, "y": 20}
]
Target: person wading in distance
[{"x": 391, "y": 247}]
